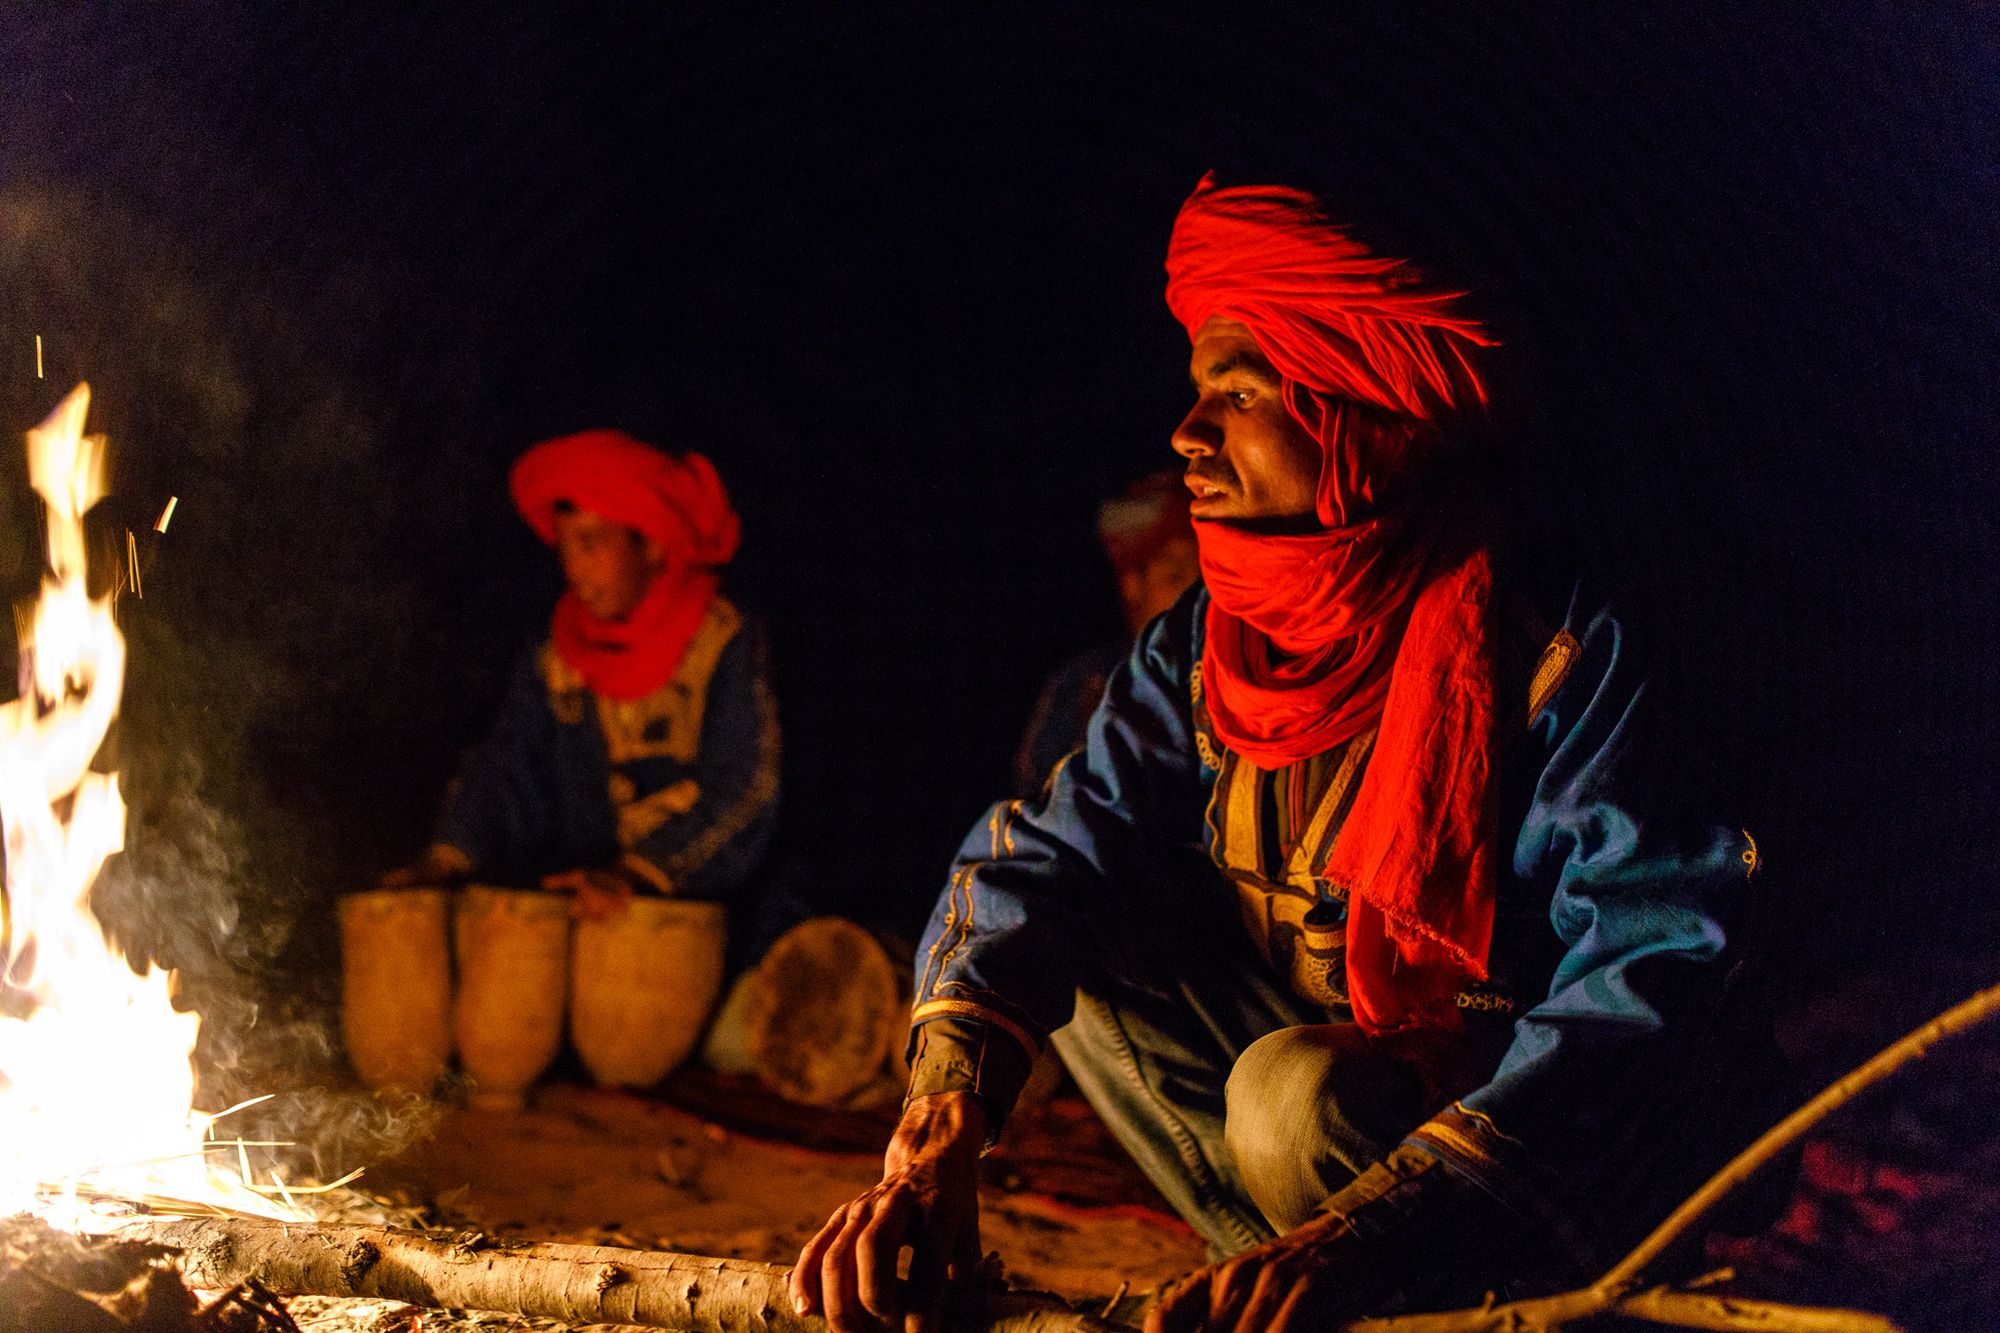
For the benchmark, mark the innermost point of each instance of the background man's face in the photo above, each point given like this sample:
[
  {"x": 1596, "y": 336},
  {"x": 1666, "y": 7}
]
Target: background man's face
[
  {"x": 1248, "y": 459},
  {"x": 1148, "y": 589},
  {"x": 607, "y": 565}
]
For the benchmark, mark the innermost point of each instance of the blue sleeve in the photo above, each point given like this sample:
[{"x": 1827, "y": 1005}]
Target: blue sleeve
[
  {"x": 712, "y": 847},
  {"x": 1642, "y": 896},
  {"x": 1034, "y": 879},
  {"x": 503, "y": 805}
]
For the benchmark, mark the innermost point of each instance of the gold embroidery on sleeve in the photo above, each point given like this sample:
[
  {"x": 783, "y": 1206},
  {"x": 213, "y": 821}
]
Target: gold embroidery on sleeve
[
  {"x": 978, "y": 1013},
  {"x": 1552, "y": 671},
  {"x": 762, "y": 790}
]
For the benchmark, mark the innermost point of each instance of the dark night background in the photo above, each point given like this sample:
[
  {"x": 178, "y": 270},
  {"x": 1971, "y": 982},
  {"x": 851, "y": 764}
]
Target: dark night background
[{"x": 898, "y": 271}]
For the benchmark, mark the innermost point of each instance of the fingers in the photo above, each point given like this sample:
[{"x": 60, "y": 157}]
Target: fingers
[
  {"x": 839, "y": 1285},
  {"x": 1291, "y": 1315},
  {"x": 875, "y": 1251},
  {"x": 805, "y": 1273},
  {"x": 923, "y": 1291},
  {"x": 1271, "y": 1292}
]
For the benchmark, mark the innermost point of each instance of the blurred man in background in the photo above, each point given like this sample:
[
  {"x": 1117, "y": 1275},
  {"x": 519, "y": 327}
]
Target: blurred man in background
[
  {"x": 636, "y": 751},
  {"x": 1146, "y": 533}
]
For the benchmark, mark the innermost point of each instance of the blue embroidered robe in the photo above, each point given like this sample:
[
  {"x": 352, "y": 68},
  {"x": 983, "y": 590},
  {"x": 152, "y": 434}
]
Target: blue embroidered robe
[{"x": 679, "y": 787}]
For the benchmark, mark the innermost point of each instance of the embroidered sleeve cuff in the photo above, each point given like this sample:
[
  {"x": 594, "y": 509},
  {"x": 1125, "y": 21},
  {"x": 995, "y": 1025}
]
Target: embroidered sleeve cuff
[
  {"x": 952, "y": 1054},
  {"x": 1473, "y": 1151},
  {"x": 1441, "y": 1202}
]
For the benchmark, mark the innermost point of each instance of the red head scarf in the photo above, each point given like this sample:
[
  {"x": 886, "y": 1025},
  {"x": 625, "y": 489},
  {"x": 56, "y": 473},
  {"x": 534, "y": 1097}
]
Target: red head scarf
[
  {"x": 1380, "y": 619},
  {"x": 678, "y": 502}
]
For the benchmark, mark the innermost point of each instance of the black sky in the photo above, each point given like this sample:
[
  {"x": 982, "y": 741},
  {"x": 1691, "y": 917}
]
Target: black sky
[{"x": 897, "y": 271}]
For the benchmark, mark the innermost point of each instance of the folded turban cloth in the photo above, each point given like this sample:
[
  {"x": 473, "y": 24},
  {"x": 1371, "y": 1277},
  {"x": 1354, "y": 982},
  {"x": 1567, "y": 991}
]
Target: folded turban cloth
[
  {"x": 678, "y": 502},
  {"x": 1382, "y": 618}
]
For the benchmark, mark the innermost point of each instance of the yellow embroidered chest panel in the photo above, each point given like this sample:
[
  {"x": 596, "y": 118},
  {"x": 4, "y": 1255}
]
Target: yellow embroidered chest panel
[
  {"x": 665, "y": 724},
  {"x": 1272, "y": 830}
]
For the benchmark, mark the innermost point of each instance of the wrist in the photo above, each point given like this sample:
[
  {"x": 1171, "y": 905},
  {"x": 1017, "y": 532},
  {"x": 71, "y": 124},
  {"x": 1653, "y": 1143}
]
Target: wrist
[{"x": 942, "y": 1125}]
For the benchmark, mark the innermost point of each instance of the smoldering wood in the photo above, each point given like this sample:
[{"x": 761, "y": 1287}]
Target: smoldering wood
[
  {"x": 583, "y": 1284},
  {"x": 51, "y": 1280}
]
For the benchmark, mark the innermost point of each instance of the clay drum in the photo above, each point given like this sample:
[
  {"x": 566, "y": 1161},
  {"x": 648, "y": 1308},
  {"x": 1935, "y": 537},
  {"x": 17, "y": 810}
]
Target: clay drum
[
  {"x": 513, "y": 964},
  {"x": 395, "y": 1007},
  {"x": 642, "y": 986}
]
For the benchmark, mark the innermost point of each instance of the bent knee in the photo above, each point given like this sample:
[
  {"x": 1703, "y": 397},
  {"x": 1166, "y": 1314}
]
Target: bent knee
[
  {"x": 1310, "y": 1107},
  {"x": 1280, "y": 1083}
]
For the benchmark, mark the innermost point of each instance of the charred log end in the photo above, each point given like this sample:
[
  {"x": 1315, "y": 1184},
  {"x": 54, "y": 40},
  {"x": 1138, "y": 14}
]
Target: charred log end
[{"x": 361, "y": 1257}]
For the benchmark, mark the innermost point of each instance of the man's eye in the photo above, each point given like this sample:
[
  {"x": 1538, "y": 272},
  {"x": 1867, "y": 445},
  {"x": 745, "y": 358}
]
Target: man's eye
[{"x": 1242, "y": 397}]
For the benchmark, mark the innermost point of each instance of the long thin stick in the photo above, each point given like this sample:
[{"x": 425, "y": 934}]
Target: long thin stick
[
  {"x": 1658, "y": 1305},
  {"x": 1614, "y": 1292},
  {"x": 1970, "y": 1013}
]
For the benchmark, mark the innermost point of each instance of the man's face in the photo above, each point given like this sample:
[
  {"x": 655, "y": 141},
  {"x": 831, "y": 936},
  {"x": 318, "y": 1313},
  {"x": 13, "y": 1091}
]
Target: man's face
[
  {"x": 607, "y": 564},
  {"x": 1249, "y": 461}
]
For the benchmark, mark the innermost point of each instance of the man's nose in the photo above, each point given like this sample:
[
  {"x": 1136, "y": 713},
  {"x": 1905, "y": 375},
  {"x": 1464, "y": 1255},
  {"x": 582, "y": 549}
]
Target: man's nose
[{"x": 1196, "y": 436}]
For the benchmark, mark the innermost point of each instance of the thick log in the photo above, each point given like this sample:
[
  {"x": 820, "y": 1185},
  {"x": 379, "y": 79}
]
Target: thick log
[{"x": 582, "y": 1284}]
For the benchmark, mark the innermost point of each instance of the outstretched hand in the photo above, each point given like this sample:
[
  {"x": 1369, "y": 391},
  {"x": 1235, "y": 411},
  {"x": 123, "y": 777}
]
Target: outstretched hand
[
  {"x": 600, "y": 895},
  {"x": 439, "y": 866},
  {"x": 1311, "y": 1278},
  {"x": 928, "y": 1201}
]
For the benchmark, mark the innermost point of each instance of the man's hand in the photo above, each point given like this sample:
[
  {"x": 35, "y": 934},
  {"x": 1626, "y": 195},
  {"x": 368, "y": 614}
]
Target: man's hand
[
  {"x": 600, "y": 894},
  {"x": 440, "y": 865},
  {"x": 928, "y": 1200},
  {"x": 1311, "y": 1278}
]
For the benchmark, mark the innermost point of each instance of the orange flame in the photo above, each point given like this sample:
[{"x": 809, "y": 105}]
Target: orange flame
[{"x": 96, "y": 1071}]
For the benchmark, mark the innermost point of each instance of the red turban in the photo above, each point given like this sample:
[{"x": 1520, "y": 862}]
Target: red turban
[
  {"x": 675, "y": 500},
  {"x": 1381, "y": 619}
]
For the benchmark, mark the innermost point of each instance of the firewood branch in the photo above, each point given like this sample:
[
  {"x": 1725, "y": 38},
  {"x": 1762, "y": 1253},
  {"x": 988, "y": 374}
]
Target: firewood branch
[
  {"x": 582, "y": 1284},
  {"x": 1617, "y": 1292},
  {"x": 1657, "y": 1305}
]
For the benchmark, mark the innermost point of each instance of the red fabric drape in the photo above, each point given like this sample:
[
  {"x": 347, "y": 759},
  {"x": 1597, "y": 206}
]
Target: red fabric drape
[
  {"x": 678, "y": 502},
  {"x": 1380, "y": 618}
]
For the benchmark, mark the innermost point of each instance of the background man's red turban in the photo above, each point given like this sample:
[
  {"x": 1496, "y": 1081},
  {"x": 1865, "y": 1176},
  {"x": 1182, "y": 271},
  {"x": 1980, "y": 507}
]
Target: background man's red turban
[{"x": 677, "y": 500}]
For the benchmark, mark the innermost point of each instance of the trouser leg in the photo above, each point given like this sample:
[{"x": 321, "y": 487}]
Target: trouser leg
[
  {"x": 1153, "y": 1060},
  {"x": 1308, "y": 1109}
]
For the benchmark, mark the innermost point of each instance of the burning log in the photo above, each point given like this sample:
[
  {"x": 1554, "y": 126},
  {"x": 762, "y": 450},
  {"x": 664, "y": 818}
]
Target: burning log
[
  {"x": 51, "y": 1280},
  {"x": 584, "y": 1284}
]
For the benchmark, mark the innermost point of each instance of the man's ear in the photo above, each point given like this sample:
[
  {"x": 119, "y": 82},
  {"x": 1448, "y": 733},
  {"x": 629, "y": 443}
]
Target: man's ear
[{"x": 656, "y": 556}]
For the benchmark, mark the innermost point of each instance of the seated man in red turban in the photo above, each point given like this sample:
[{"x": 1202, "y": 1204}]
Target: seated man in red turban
[
  {"x": 637, "y": 750},
  {"x": 1363, "y": 916}
]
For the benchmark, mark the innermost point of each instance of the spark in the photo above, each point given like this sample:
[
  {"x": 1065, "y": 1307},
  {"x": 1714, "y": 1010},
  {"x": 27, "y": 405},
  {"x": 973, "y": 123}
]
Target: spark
[
  {"x": 166, "y": 515},
  {"x": 38, "y": 356}
]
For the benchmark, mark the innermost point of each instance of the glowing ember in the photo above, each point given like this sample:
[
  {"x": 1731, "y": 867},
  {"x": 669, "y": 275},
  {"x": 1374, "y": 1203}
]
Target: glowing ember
[{"x": 96, "y": 1078}]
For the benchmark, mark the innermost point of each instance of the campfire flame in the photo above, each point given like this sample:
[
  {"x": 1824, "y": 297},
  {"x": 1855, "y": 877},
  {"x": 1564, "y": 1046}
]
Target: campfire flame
[{"x": 96, "y": 1073}]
